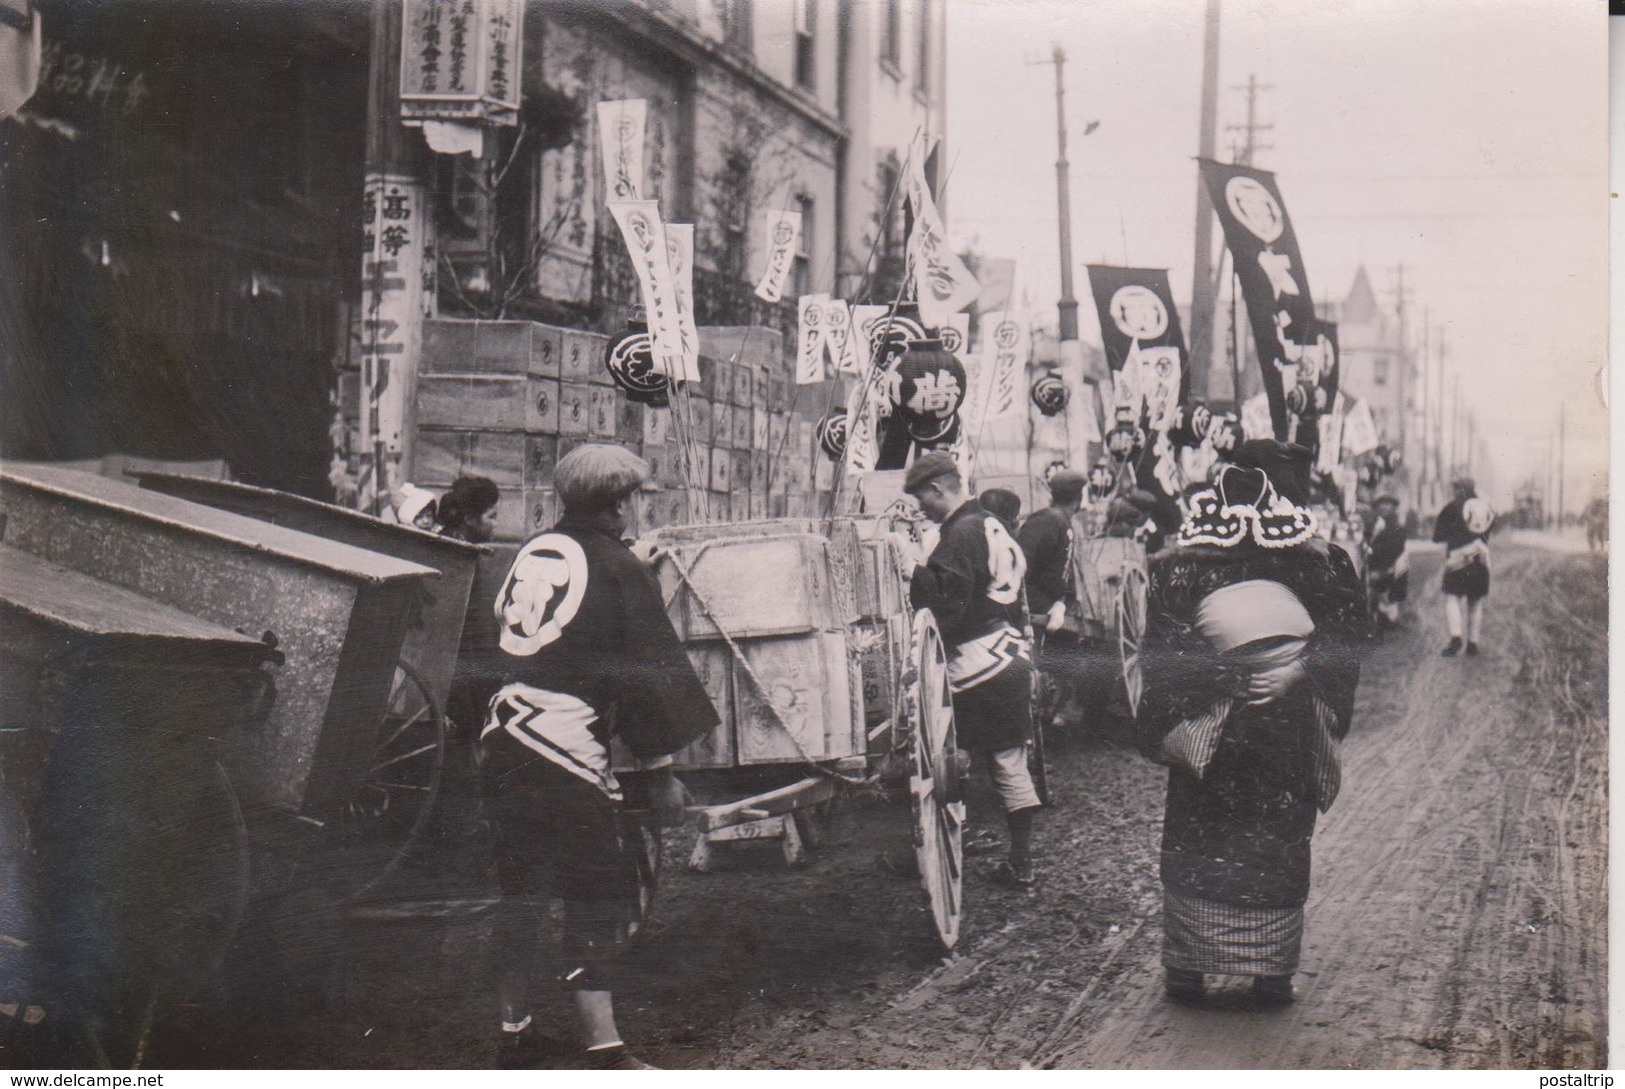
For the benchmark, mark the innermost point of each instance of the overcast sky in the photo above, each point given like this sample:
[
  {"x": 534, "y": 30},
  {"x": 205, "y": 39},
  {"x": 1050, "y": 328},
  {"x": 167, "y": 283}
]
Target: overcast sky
[{"x": 1465, "y": 140}]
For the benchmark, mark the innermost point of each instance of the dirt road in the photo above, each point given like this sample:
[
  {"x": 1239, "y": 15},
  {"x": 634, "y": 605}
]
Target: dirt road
[{"x": 1457, "y": 919}]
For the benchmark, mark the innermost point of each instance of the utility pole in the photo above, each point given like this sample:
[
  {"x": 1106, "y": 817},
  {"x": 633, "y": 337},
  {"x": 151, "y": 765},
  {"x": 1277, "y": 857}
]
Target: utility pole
[
  {"x": 1068, "y": 305},
  {"x": 1406, "y": 370},
  {"x": 1204, "y": 285},
  {"x": 1252, "y": 128}
]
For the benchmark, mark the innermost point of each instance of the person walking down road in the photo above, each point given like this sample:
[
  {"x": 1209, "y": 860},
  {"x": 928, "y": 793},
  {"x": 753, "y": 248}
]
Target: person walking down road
[
  {"x": 1463, "y": 526},
  {"x": 972, "y": 583},
  {"x": 1390, "y": 566},
  {"x": 1251, "y": 657},
  {"x": 590, "y": 656}
]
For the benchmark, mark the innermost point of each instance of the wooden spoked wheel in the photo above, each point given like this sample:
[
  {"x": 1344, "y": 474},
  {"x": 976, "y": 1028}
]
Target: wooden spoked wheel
[
  {"x": 1046, "y": 701},
  {"x": 1132, "y": 597},
  {"x": 939, "y": 813},
  {"x": 394, "y": 801}
]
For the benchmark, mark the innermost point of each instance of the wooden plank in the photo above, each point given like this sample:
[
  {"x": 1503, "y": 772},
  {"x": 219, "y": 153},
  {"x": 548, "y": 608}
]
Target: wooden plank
[
  {"x": 807, "y": 681},
  {"x": 813, "y": 790}
]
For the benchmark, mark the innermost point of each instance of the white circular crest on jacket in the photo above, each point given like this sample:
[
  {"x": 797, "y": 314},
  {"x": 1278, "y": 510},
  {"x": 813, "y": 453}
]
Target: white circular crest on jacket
[
  {"x": 1478, "y": 515},
  {"x": 541, "y": 594}
]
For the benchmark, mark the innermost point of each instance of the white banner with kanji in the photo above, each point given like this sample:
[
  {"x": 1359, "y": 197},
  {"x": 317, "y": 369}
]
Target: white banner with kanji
[
  {"x": 783, "y": 235},
  {"x": 943, "y": 286},
  {"x": 810, "y": 339},
  {"x": 620, "y": 141},
  {"x": 1359, "y": 429},
  {"x": 392, "y": 306},
  {"x": 645, "y": 236},
  {"x": 840, "y": 337},
  {"x": 680, "y": 258},
  {"x": 1005, "y": 348}
]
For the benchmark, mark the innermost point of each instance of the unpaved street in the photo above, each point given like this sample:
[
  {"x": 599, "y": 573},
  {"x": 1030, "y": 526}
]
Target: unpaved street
[{"x": 1457, "y": 919}]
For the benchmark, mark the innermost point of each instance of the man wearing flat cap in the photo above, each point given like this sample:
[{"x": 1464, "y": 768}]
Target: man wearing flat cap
[
  {"x": 1046, "y": 541},
  {"x": 972, "y": 583},
  {"x": 589, "y": 656}
]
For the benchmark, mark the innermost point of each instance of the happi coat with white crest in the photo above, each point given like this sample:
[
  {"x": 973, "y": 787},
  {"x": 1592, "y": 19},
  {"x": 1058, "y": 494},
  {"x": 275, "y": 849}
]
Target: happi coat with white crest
[
  {"x": 972, "y": 583},
  {"x": 1239, "y": 832}
]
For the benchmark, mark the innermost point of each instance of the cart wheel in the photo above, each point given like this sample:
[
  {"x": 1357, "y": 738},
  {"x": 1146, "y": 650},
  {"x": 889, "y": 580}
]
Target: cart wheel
[
  {"x": 939, "y": 814},
  {"x": 1045, "y": 702},
  {"x": 392, "y": 804},
  {"x": 1131, "y": 606}
]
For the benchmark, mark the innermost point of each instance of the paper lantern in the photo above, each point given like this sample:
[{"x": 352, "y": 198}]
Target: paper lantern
[
  {"x": 832, "y": 434},
  {"x": 631, "y": 365},
  {"x": 930, "y": 387},
  {"x": 1050, "y": 394}
]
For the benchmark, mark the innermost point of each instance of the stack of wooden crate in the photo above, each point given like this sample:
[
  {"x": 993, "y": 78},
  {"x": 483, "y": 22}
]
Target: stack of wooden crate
[{"x": 507, "y": 399}]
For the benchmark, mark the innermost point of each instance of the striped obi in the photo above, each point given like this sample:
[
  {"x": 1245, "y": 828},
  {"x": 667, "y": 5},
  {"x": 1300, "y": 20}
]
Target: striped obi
[
  {"x": 557, "y": 727},
  {"x": 1257, "y": 625},
  {"x": 977, "y": 661}
]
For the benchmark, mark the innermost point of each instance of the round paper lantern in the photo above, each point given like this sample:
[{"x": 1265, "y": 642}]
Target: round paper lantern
[
  {"x": 1050, "y": 394},
  {"x": 832, "y": 434},
  {"x": 1124, "y": 442},
  {"x": 933, "y": 436},
  {"x": 1190, "y": 424},
  {"x": 930, "y": 387},
  {"x": 631, "y": 365}
]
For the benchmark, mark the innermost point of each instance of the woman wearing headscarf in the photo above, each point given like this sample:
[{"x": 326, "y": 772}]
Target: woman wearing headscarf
[
  {"x": 1252, "y": 654},
  {"x": 1463, "y": 527}
]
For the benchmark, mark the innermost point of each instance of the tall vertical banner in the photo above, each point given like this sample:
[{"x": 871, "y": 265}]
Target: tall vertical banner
[
  {"x": 810, "y": 368},
  {"x": 1005, "y": 348},
  {"x": 680, "y": 260},
  {"x": 783, "y": 233},
  {"x": 1145, "y": 346},
  {"x": 392, "y": 270},
  {"x": 943, "y": 286},
  {"x": 841, "y": 338},
  {"x": 645, "y": 238},
  {"x": 461, "y": 61},
  {"x": 620, "y": 141},
  {"x": 1264, "y": 252}
]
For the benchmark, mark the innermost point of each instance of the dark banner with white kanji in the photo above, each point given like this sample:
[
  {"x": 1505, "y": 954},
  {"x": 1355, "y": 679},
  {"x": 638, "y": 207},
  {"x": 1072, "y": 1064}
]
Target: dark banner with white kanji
[
  {"x": 1145, "y": 346},
  {"x": 1264, "y": 251}
]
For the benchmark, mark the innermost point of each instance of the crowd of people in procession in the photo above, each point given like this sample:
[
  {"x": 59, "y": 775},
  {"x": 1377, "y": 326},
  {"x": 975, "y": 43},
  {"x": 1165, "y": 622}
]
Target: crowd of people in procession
[{"x": 1251, "y": 658}]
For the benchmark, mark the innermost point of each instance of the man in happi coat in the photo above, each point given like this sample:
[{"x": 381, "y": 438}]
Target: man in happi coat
[
  {"x": 1046, "y": 540},
  {"x": 590, "y": 656},
  {"x": 1251, "y": 657},
  {"x": 972, "y": 583}
]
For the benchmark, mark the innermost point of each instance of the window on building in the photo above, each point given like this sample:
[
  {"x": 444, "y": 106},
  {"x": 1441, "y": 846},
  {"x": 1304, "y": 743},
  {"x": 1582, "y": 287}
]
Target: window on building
[
  {"x": 806, "y": 14},
  {"x": 922, "y": 62},
  {"x": 889, "y": 259},
  {"x": 891, "y": 38},
  {"x": 733, "y": 208},
  {"x": 802, "y": 272},
  {"x": 736, "y": 24},
  {"x": 1379, "y": 371}
]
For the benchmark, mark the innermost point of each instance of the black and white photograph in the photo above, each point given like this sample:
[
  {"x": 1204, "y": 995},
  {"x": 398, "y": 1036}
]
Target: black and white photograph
[{"x": 966, "y": 535}]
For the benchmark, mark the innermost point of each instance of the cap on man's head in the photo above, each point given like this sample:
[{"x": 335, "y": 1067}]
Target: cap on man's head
[
  {"x": 1002, "y": 502},
  {"x": 598, "y": 475},
  {"x": 927, "y": 468},
  {"x": 1386, "y": 499},
  {"x": 1067, "y": 485}
]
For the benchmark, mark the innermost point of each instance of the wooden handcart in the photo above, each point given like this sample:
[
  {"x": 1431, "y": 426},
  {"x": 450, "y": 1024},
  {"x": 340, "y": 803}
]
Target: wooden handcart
[
  {"x": 325, "y": 770},
  {"x": 822, "y": 677}
]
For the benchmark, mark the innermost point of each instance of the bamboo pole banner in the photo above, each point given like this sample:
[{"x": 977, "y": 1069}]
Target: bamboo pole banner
[
  {"x": 1005, "y": 350},
  {"x": 810, "y": 368},
  {"x": 1144, "y": 343},
  {"x": 783, "y": 235},
  {"x": 680, "y": 258},
  {"x": 620, "y": 141},
  {"x": 840, "y": 338},
  {"x": 943, "y": 286},
  {"x": 1264, "y": 252},
  {"x": 393, "y": 245},
  {"x": 645, "y": 236}
]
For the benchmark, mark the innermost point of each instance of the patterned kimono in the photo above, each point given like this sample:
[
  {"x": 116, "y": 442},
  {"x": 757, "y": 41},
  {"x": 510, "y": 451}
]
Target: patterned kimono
[{"x": 1245, "y": 782}]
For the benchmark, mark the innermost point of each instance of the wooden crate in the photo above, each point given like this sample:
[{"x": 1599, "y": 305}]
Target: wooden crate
[
  {"x": 582, "y": 354},
  {"x": 472, "y": 401},
  {"x": 731, "y": 575},
  {"x": 601, "y": 417},
  {"x": 808, "y": 679},
  {"x": 575, "y": 409}
]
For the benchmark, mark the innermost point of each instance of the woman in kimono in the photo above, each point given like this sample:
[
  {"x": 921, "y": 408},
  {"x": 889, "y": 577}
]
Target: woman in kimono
[{"x": 1251, "y": 658}]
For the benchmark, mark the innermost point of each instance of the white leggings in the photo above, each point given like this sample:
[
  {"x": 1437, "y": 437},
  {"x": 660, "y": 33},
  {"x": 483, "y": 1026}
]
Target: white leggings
[{"x": 1455, "y": 608}]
